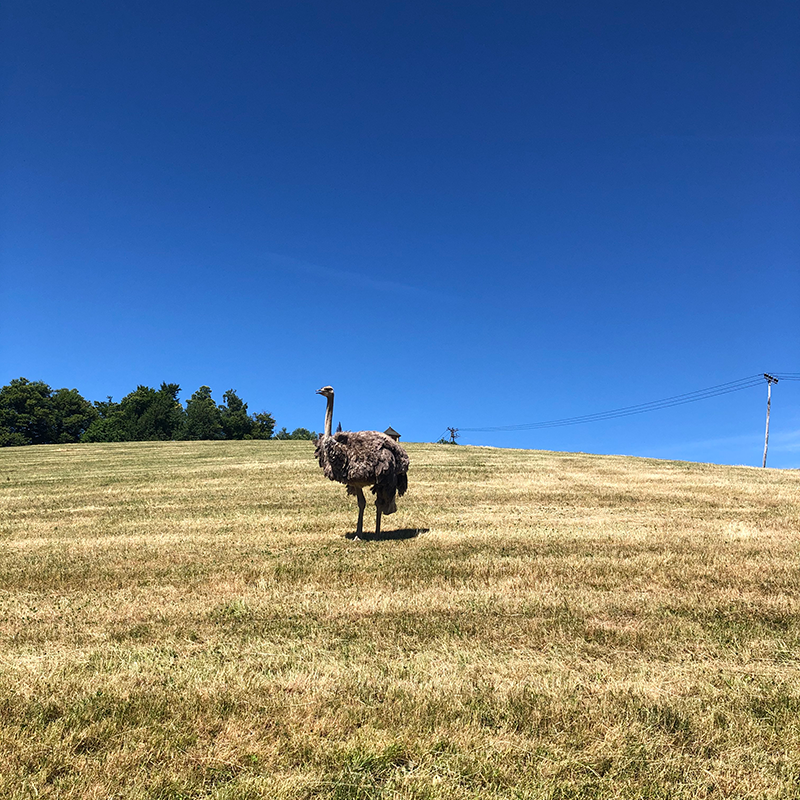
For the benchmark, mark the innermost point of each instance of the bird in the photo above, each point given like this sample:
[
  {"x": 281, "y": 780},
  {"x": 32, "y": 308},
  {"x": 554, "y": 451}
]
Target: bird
[{"x": 359, "y": 459}]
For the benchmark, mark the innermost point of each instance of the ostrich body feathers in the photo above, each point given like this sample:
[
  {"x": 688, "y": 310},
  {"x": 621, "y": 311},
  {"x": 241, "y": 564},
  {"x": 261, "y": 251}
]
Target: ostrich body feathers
[{"x": 365, "y": 458}]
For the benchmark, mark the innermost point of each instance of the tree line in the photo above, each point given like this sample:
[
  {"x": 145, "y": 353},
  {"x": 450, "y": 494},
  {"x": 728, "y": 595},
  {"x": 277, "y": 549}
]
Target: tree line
[{"x": 33, "y": 413}]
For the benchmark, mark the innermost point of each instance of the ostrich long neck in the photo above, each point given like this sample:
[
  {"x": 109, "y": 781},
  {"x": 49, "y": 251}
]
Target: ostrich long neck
[{"x": 329, "y": 417}]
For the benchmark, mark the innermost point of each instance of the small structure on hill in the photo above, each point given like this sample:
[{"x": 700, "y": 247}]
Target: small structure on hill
[{"x": 392, "y": 433}]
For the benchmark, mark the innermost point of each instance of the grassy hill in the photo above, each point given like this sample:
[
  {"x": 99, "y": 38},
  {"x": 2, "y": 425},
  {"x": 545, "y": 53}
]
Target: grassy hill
[{"x": 185, "y": 620}]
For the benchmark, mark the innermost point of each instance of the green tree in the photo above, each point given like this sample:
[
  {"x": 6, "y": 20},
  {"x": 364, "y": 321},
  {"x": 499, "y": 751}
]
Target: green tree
[
  {"x": 163, "y": 419},
  {"x": 73, "y": 415},
  {"x": 303, "y": 433},
  {"x": 32, "y": 413},
  {"x": 108, "y": 425},
  {"x": 263, "y": 425},
  {"x": 203, "y": 418},
  {"x": 236, "y": 424},
  {"x": 26, "y": 413},
  {"x": 297, "y": 433},
  {"x": 145, "y": 414},
  {"x": 136, "y": 413}
]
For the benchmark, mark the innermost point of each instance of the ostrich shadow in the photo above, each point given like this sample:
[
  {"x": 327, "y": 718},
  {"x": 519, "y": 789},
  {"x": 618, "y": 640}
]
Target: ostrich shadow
[{"x": 388, "y": 536}]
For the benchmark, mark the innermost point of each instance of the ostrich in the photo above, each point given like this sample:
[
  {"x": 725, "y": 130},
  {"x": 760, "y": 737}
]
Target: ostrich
[{"x": 363, "y": 458}]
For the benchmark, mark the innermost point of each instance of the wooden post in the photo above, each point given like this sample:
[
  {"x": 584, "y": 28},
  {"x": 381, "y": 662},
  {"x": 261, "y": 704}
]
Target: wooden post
[{"x": 770, "y": 381}]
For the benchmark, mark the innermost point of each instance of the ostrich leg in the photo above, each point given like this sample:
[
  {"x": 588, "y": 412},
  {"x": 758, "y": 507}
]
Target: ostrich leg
[
  {"x": 362, "y": 504},
  {"x": 377, "y": 523}
]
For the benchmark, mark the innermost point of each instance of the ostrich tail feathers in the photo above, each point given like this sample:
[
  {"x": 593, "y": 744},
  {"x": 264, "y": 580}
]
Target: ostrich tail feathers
[{"x": 402, "y": 483}]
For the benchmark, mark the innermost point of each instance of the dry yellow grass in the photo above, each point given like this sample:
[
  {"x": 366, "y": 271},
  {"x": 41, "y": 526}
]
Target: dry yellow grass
[{"x": 182, "y": 620}]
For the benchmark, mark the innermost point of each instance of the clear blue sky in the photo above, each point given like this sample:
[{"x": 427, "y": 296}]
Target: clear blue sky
[{"x": 467, "y": 214}]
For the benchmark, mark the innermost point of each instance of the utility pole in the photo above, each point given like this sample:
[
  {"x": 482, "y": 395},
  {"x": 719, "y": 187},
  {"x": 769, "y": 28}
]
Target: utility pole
[
  {"x": 770, "y": 380},
  {"x": 453, "y": 435}
]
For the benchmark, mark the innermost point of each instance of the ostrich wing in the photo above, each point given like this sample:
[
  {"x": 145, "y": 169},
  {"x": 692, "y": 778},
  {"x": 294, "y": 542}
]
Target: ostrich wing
[{"x": 364, "y": 458}]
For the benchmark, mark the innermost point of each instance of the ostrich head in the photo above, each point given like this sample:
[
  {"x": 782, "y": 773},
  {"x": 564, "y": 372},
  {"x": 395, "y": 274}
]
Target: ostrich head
[{"x": 326, "y": 391}]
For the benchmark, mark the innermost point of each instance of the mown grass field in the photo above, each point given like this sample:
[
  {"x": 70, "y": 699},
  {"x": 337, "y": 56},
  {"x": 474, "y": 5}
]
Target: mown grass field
[{"x": 187, "y": 620}]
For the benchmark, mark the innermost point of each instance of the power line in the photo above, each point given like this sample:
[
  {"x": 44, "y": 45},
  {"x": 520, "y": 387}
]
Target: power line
[
  {"x": 786, "y": 376},
  {"x": 668, "y": 402}
]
